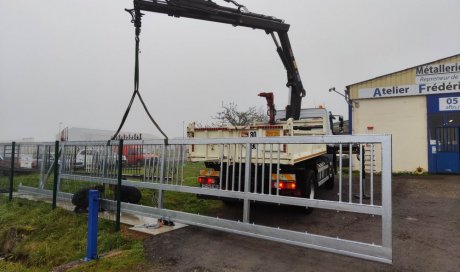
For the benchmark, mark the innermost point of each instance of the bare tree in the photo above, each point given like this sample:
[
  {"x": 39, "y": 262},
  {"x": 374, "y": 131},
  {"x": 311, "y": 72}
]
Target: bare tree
[{"x": 231, "y": 115}]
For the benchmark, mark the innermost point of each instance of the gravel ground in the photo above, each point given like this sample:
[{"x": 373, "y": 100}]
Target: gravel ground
[{"x": 426, "y": 236}]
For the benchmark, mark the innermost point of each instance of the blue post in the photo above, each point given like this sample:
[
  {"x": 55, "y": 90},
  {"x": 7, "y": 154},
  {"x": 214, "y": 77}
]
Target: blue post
[{"x": 91, "y": 250}]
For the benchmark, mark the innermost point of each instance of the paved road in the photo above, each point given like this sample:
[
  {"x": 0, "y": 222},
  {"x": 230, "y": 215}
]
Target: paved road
[{"x": 426, "y": 236}]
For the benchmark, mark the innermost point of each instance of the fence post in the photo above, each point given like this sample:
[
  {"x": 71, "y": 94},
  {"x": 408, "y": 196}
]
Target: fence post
[
  {"x": 13, "y": 146},
  {"x": 91, "y": 247},
  {"x": 118, "y": 191},
  {"x": 56, "y": 173}
]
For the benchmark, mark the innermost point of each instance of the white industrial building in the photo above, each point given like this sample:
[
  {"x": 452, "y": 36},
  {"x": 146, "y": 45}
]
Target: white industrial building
[{"x": 420, "y": 107}]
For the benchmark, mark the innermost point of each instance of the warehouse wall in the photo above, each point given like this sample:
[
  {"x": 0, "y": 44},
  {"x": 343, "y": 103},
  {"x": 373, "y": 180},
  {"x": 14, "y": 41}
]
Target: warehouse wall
[{"x": 405, "y": 119}]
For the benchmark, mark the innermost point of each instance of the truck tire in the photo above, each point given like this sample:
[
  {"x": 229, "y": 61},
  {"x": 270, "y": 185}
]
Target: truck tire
[
  {"x": 310, "y": 184},
  {"x": 308, "y": 187},
  {"x": 329, "y": 184}
]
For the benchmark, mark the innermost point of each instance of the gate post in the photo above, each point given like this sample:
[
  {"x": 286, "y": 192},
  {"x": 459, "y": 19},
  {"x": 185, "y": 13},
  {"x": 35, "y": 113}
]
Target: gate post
[
  {"x": 91, "y": 248},
  {"x": 247, "y": 183},
  {"x": 118, "y": 191},
  {"x": 13, "y": 146},
  {"x": 56, "y": 172}
]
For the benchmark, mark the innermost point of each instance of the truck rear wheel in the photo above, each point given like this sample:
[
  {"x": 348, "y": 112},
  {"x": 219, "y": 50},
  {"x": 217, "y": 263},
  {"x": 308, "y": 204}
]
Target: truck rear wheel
[
  {"x": 329, "y": 184},
  {"x": 310, "y": 184}
]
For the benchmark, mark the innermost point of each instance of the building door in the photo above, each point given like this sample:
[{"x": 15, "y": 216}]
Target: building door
[
  {"x": 443, "y": 112},
  {"x": 448, "y": 151}
]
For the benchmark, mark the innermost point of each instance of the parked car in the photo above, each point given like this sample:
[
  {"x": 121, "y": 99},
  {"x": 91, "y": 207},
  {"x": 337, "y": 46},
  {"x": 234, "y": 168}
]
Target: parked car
[
  {"x": 22, "y": 163},
  {"x": 135, "y": 154},
  {"x": 3, "y": 163}
]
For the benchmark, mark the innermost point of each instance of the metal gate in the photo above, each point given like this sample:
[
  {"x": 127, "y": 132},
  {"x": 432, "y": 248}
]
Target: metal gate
[
  {"x": 448, "y": 151},
  {"x": 164, "y": 172}
]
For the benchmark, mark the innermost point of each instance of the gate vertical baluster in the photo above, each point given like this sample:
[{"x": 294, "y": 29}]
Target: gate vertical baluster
[
  {"x": 178, "y": 150},
  {"x": 278, "y": 172},
  {"x": 56, "y": 172},
  {"x": 13, "y": 147},
  {"x": 263, "y": 170},
  {"x": 166, "y": 176},
  {"x": 340, "y": 173},
  {"x": 247, "y": 182},
  {"x": 42, "y": 169},
  {"x": 256, "y": 168},
  {"x": 118, "y": 192},
  {"x": 221, "y": 148},
  {"x": 228, "y": 167},
  {"x": 239, "y": 167},
  {"x": 372, "y": 174},
  {"x": 234, "y": 167},
  {"x": 270, "y": 170},
  {"x": 350, "y": 173},
  {"x": 183, "y": 154},
  {"x": 361, "y": 192},
  {"x": 162, "y": 170}
]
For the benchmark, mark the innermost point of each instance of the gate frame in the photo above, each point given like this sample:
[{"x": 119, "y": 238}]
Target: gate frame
[{"x": 380, "y": 253}]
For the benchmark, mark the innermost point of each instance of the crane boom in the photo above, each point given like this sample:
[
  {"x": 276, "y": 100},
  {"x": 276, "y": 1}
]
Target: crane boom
[{"x": 208, "y": 10}]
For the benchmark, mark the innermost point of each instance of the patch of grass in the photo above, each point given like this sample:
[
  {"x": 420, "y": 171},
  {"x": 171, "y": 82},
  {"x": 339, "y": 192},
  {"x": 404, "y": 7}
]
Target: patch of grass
[
  {"x": 189, "y": 202},
  {"x": 184, "y": 201},
  {"x": 36, "y": 238},
  {"x": 125, "y": 261}
]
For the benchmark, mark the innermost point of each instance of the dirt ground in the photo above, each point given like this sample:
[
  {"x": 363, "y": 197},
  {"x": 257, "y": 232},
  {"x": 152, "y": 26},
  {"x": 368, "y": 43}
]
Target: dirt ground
[{"x": 426, "y": 236}]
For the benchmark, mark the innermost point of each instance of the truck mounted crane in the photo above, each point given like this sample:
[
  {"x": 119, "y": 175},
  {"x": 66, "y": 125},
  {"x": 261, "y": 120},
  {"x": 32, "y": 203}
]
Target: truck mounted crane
[
  {"x": 306, "y": 166},
  {"x": 208, "y": 10}
]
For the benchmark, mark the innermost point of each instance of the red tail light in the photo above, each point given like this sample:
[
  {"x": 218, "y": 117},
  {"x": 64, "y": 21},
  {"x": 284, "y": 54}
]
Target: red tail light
[
  {"x": 206, "y": 180},
  {"x": 201, "y": 180},
  {"x": 288, "y": 185}
]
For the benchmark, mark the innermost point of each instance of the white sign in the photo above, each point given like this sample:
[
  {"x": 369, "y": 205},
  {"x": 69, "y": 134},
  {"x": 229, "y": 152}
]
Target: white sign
[
  {"x": 449, "y": 103},
  {"x": 435, "y": 73},
  {"x": 409, "y": 90},
  {"x": 429, "y": 79}
]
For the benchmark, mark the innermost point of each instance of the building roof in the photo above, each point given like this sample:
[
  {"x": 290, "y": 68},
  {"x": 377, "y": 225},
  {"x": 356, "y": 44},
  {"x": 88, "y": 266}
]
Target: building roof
[{"x": 456, "y": 55}]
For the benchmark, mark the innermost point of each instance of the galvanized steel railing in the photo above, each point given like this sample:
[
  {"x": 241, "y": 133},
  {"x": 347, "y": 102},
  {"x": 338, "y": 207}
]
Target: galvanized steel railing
[{"x": 154, "y": 165}]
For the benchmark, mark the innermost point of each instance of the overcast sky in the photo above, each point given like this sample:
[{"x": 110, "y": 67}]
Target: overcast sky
[{"x": 71, "y": 62}]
